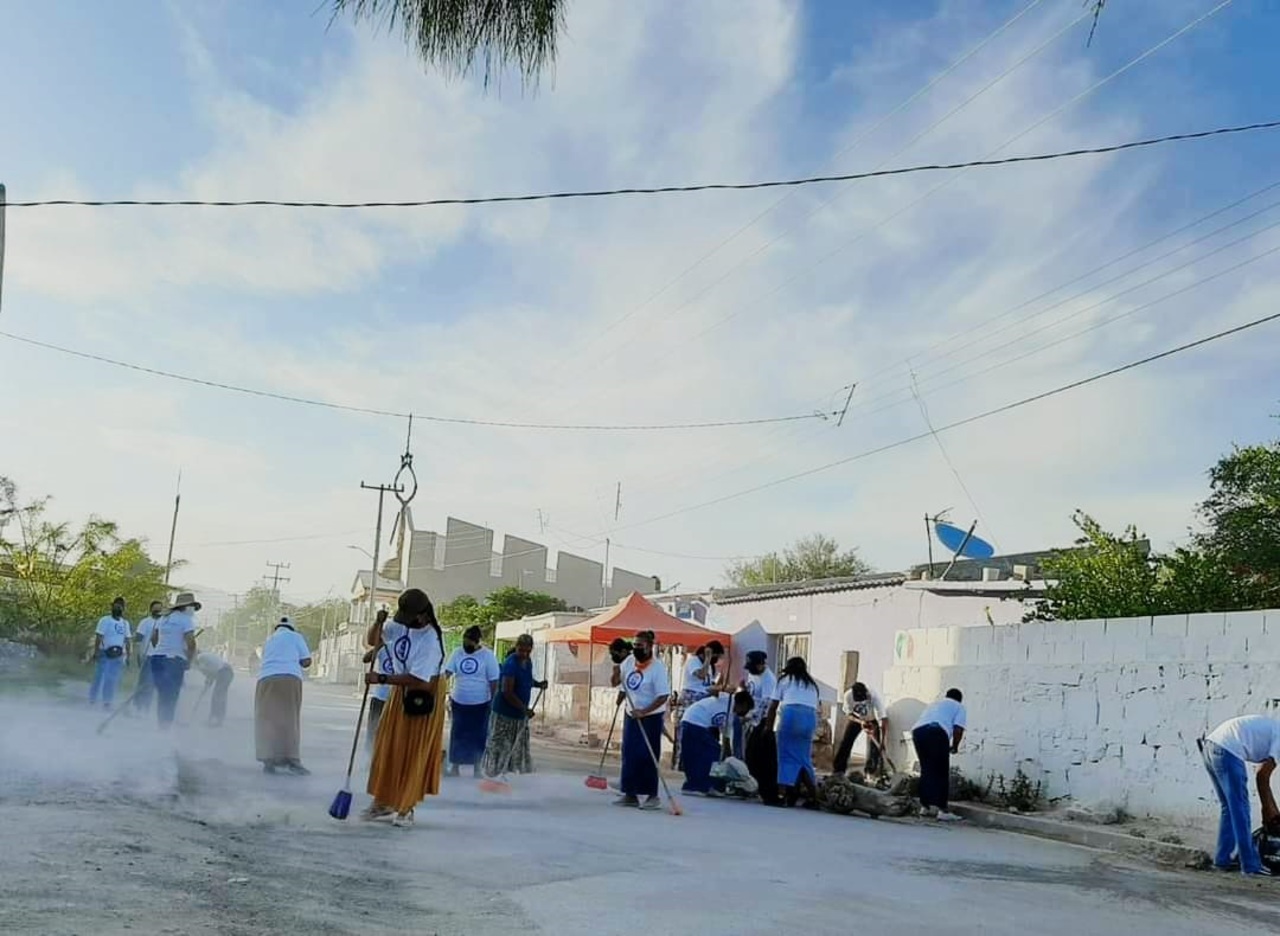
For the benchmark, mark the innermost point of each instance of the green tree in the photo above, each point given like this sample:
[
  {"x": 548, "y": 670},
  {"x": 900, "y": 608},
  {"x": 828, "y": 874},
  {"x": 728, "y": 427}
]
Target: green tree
[
  {"x": 57, "y": 579},
  {"x": 812, "y": 557},
  {"x": 1105, "y": 575},
  {"x": 1242, "y": 522},
  {"x": 504, "y": 604},
  {"x": 452, "y": 34},
  {"x": 252, "y": 622}
]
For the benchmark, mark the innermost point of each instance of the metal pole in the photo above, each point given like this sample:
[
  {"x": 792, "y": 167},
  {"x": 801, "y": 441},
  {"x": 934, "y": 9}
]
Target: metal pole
[
  {"x": 377, "y": 551},
  {"x": 928, "y": 538},
  {"x": 173, "y": 531},
  {"x": 604, "y": 576}
]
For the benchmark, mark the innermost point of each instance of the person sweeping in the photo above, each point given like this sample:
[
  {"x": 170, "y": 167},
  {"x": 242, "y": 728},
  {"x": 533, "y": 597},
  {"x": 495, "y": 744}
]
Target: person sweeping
[
  {"x": 508, "y": 745},
  {"x": 408, "y": 753},
  {"x": 277, "y": 703},
  {"x": 647, "y": 687},
  {"x": 380, "y": 656},
  {"x": 218, "y": 674},
  {"x": 173, "y": 647},
  {"x": 700, "y": 728},
  {"x": 795, "y": 703},
  {"x": 474, "y": 669}
]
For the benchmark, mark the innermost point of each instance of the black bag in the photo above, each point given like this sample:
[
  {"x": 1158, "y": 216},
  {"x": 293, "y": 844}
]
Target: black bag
[
  {"x": 418, "y": 702},
  {"x": 113, "y": 653},
  {"x": 1268, "y": 846}
]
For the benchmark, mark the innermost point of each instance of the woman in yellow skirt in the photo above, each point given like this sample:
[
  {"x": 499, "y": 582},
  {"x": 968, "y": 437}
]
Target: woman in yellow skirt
[{"x": 408, "y": 753}]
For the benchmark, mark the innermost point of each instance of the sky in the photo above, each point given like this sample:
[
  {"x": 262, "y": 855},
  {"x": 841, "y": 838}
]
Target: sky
[{"x": 940, "y": 296}]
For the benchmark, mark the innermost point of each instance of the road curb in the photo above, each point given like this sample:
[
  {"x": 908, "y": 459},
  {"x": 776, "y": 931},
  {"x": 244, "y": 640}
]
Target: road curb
[{"x": 1075, "y": 833}]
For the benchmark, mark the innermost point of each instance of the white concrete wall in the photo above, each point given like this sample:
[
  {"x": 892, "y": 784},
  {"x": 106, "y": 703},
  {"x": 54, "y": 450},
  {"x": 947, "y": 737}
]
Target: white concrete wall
[{"x": 1104, "y": 712}]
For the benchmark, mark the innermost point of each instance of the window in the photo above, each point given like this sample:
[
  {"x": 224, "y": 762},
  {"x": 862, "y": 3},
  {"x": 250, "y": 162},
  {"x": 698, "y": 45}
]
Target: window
[{"x": 792, "y": 645}]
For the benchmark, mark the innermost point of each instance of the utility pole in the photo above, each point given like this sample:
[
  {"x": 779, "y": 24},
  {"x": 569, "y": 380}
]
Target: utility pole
[
  {"x": 382, "y": 490},
  {"x": 276, "y": 579},
  {"x": 173, "y": 530},
  {"x": 608, "y": 543},
  {"x": 235, "y": 626}
]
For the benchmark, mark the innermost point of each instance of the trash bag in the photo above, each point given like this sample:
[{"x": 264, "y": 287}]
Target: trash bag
[
  {"x": 731, "y": 777},
  {"x": 1268, "y": 845}
]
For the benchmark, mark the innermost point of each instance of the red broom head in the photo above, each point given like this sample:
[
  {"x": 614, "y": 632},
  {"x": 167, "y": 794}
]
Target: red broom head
[
  {"x": 597, "y": 782},
  {"x": 494, "y": 786}
]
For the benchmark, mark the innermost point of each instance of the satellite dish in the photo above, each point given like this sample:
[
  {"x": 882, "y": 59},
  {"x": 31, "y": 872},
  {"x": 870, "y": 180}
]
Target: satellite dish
[{"x": 962, "y": 542}]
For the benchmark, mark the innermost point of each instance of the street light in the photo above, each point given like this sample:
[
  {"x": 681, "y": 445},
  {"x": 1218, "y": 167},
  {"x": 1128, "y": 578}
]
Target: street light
[{"x": 361, "y": 549}]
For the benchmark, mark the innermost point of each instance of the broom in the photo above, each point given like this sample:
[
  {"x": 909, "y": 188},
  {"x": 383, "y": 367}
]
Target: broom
[
  {"x": 498, "y": 784},
  {"x": 340, "y": 808},
  {"x": 597, "y": 780},
  {"x": 673, "y": 804}
]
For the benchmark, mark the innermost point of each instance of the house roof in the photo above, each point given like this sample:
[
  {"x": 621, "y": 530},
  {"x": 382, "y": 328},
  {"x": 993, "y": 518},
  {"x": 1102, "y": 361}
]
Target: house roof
[
  {"x": 364, "y": 576},
  {"x": 812, "y": 587}
]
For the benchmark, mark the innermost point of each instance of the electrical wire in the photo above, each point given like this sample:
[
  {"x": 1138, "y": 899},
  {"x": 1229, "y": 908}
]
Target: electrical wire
[
  {"x": 1132, "y": 63},
  {"x": 1025, "y": 401},
  {"x": 929, "y": 86},
  {"x": 664, "y": 189},
  {"x": 370, "y": 411}
]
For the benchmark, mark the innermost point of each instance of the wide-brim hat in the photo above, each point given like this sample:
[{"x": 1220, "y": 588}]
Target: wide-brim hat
[{"x": 185, "y": 600}]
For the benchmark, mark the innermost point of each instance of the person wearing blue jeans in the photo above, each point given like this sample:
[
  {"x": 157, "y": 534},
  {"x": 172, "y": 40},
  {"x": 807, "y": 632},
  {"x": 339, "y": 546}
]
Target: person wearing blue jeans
[
  {"x": 110, "y": 651},
  {"x": 1251, "y": 739},
  {"x": 173, "y": 647},
  {"x": 146, "y": 688}
]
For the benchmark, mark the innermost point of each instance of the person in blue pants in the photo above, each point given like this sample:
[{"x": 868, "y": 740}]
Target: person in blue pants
[
  {"x": 142, "y": 651},
  {"x": 1237, "y": 742},
  {"x": 110, "y": 654},
  {"x": 173, "y": 647}
]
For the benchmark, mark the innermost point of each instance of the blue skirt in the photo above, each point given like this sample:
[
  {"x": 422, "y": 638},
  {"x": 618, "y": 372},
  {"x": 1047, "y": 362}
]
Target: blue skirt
[
  {"x": 639, "y": 771},
  {"x": 797, "y": 725},
  {"x": 469, "y": 733},
  {"x": 699, "y": 750}
]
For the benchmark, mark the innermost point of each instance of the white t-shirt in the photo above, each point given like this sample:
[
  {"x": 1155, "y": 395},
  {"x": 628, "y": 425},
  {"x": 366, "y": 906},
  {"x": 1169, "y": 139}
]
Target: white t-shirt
[
  {"x": 645, "y": 686},
  {"x": 761, "y": 688},
  {"x": 145, "y": 627},
  {"x": 947, "y": 714},
  {"x": 384, "y": 665},
  {"x": 173, "y": 629},
  {"x": 869, "y": 709},
  {"x": 1252, "y": 738},
  {"x": 698, "y": 686},
  {"x": 416, "y": 651},
  {"x": 210, "y": 664},
  {"x": 791, "y": 691},
  {"x": 113, "y": 633},
  {"x": 472, "y": 673},
  {"x": 283, "y": 653},
  {"x": 711, "y": 712}
]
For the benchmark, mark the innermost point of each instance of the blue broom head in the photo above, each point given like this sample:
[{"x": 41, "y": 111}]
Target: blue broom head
[{"x": 340, "y": 808}]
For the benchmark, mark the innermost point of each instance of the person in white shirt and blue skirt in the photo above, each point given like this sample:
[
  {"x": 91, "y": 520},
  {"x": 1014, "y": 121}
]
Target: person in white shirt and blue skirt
[
  {"x": 474, "y": 669},
  {"x": 795, "y": 704},
  {"x": 936, "y": 737},
  {"x": 700, "y": 728},
  {"x": 646, "y": 687}
]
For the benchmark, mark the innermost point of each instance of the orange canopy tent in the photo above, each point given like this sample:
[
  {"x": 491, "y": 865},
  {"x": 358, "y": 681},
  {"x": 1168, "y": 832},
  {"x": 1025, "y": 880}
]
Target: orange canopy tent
[{"x": 630, "y": 615}]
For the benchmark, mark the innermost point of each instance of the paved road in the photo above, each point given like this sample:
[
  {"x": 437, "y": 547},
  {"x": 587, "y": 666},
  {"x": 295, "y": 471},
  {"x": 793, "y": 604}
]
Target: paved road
[{"x": 131, "y": 832}]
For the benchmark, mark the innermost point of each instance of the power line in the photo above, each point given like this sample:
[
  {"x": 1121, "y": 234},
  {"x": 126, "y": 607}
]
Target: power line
[
  {"x": 660, "y": 189},
  {"x": 453, "y": 420},
  {"x": 961, "y": 422}
]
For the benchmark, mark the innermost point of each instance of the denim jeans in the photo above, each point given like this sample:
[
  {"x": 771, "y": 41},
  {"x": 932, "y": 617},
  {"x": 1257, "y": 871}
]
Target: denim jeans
[
  {"x": 167, "y": 673},
  {"x": 146, "y": 687},
  {"x": 107, "y": 674},
  {"x": 1231, "y": 782}
]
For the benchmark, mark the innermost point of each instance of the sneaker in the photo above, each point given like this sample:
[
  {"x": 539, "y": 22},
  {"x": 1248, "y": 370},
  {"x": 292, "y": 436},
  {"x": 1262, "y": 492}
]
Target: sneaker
[
  {"x": 375, "y": 813},
  {"x": 403, "y": 820},
  {"x": 298, "y": 770},
  {"x": 626, "y": 801},
  {"x": 452, "y": 771},
  {"x": 929, "y": 812},
  {"x": 269, "y": 768},
  {"x": 651, "y": 802},
  {"x": 1261, "y": 872},
  {"x": 1233, "y": 865},
  {"x": 944, "y": 816}
]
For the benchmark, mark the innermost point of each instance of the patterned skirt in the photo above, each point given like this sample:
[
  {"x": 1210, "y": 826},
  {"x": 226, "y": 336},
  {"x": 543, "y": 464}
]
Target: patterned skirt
[{"x": 508, "y": 748}]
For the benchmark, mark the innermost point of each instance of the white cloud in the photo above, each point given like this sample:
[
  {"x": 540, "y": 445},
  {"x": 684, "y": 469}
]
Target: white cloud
[{"x": 641, "y": 94}]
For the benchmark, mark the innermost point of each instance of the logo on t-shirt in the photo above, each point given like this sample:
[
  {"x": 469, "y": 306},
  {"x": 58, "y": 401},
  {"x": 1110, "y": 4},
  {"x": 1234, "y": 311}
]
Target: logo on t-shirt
[
  {"x": 121, "y": 630},
  {"x": 719, "y": 718},
  {"x": 634, "y": 680},
  {"x": 469, "y": 666},
  {"x": 401, "y": 648}
]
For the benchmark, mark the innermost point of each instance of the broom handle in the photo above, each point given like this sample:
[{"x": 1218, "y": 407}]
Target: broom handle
[
  {"x": 525, "y": 727},
  {"x": 355, "y": 741},
  {"x": 612, "y": 725},
  {"x": 652, "y": 753}
]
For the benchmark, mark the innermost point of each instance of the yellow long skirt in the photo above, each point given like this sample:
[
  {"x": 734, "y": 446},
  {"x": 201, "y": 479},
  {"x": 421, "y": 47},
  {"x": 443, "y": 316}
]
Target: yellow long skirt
[{"x": 408, "y": 756}]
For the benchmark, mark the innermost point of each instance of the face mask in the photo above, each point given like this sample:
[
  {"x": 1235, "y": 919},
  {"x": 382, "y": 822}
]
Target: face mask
[{"x": 641, "y": 654}]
